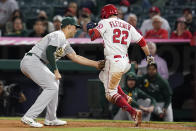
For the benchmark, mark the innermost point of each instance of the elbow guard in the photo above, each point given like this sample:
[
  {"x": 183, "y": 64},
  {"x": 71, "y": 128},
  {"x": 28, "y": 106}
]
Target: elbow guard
[
  {"x": 142, "y": 42},
  {"x": 94, "y": 34}
]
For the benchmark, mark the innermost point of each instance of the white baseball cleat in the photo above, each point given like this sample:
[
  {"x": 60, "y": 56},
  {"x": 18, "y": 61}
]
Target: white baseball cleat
[
  {"x": 55, "y": 122},
  {"x": 31, "y": 122}
]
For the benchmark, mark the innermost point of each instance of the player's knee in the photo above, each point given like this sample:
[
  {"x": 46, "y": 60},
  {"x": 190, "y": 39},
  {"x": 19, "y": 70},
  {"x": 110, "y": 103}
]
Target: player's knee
[
  {"x": 108, "y": 97},
  {"x": 53, "y": 86},
  {"x": 114, "y": 81},
  {"x": 112, "y": 96},
  {"x": 112, "y": 92}
]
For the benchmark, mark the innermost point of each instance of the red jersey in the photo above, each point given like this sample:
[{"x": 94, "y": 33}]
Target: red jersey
[
  {"x": 185, "y": 35},
  {"x": 160, "y": 34}
]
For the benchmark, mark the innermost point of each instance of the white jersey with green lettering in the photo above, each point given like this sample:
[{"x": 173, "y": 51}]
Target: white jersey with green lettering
[
  {"x": 33, "y": 67},
  {"x": 56, "y": 39}
]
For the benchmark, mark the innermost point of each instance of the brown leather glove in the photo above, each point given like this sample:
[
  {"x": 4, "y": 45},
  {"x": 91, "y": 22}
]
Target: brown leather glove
[{"x": 101, "y": 64}]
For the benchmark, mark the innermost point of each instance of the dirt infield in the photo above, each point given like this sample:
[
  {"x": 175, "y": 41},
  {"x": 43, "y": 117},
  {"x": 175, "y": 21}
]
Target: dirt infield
[{"x": 7, "y": 125}]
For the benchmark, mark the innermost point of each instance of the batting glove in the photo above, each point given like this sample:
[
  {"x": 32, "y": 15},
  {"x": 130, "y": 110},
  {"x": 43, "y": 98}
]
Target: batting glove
[
  {"x": 91, "y": 25},
  {"x": 150, "y": 59}
]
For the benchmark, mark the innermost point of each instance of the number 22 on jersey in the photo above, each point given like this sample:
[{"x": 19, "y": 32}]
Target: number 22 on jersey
[{"x": 117, "y": 34}]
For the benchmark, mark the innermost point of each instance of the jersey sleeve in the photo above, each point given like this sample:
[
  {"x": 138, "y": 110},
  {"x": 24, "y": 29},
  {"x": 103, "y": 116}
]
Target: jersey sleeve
[
  {"x": 69, "y": 49},
  {"x": 135, "y": 36},
  {"x": 53, "y": 40},
  {"x": 101, "y": 27},
  {"x": 50, "y": 56},
  {"x": 56, "y": 40}
]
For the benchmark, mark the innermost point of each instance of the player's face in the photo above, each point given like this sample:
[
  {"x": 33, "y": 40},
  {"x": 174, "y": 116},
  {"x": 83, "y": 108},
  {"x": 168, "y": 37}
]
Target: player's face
[
  {"x": 151, "y": 71},
  {"x": 73, "y": 31},
  {"x": 131, "y": 83}
]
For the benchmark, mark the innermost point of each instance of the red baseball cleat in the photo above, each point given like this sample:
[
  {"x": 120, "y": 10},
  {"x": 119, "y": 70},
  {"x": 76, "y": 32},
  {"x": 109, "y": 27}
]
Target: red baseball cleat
[{"x": 138, "y": 118}]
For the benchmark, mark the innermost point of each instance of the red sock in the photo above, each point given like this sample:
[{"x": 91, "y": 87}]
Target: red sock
[
  {"x": 122, "y": 103},
  {"x": 120, "y": 91}
]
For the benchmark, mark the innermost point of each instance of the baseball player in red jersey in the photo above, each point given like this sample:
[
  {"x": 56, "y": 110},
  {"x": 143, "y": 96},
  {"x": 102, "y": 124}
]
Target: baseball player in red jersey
[{"x": 117, "y": 35}]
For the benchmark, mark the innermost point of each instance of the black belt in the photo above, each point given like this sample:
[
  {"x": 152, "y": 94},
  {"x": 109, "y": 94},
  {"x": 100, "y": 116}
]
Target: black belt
[{"x": 30, "y": 54}]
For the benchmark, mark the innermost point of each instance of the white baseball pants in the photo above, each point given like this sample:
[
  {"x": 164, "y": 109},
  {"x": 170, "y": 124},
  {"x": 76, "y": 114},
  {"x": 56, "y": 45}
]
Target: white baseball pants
[{"x": 115, "y": 67}]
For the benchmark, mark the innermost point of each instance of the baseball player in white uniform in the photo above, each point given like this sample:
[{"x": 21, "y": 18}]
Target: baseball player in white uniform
[
  {"x": 34, "y": 65},
  {"x": 117, "y": 35}
]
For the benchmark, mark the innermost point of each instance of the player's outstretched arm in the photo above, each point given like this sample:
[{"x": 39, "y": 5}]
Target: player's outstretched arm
[
  {"x": 143, "y": 45},
  {"x": 146, "y": 50},
  {"x": 149, "y": 57},
  {"x": 82, "y": 60}
]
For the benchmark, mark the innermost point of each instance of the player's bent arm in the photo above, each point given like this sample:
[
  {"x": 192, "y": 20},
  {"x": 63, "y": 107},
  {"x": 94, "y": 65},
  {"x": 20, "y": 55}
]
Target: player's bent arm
[
  {"x": 143, "y": 45},
  {"x": 146, "y": 51},
  {"x": 94, "y": 34},
  {"x": 50, "y": 56},
  {"x": 82, "y": 60}
]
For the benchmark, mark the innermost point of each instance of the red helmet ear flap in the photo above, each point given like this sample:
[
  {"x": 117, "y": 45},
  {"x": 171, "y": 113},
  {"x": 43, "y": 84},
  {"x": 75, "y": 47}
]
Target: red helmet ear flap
[{"x": 108, "y": 10}]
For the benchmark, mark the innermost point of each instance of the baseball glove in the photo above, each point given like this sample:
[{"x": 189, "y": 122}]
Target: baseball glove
[
  {"x": 91, "y": 25},
  {"x": 101, "y": 64}
]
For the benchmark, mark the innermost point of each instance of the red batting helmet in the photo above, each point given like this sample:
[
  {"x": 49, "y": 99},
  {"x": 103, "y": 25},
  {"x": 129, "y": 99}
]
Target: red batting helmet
[{"x": 108, "y": 10}]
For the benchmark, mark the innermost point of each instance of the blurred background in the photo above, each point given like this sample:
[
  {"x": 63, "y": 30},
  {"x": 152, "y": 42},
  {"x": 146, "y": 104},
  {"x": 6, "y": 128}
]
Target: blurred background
[{"x": 81, "y": 95}]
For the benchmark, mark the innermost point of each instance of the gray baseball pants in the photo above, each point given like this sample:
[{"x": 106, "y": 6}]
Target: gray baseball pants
[
  {"x": 35, "y": 69},
  {"x": 169, "y": 112}
]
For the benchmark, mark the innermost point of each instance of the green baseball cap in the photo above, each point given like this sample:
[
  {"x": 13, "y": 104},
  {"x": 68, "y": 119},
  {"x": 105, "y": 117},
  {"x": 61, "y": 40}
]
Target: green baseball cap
[
  {"x": 69, "y": 21},
  {"x": 131, "y": 76}
]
